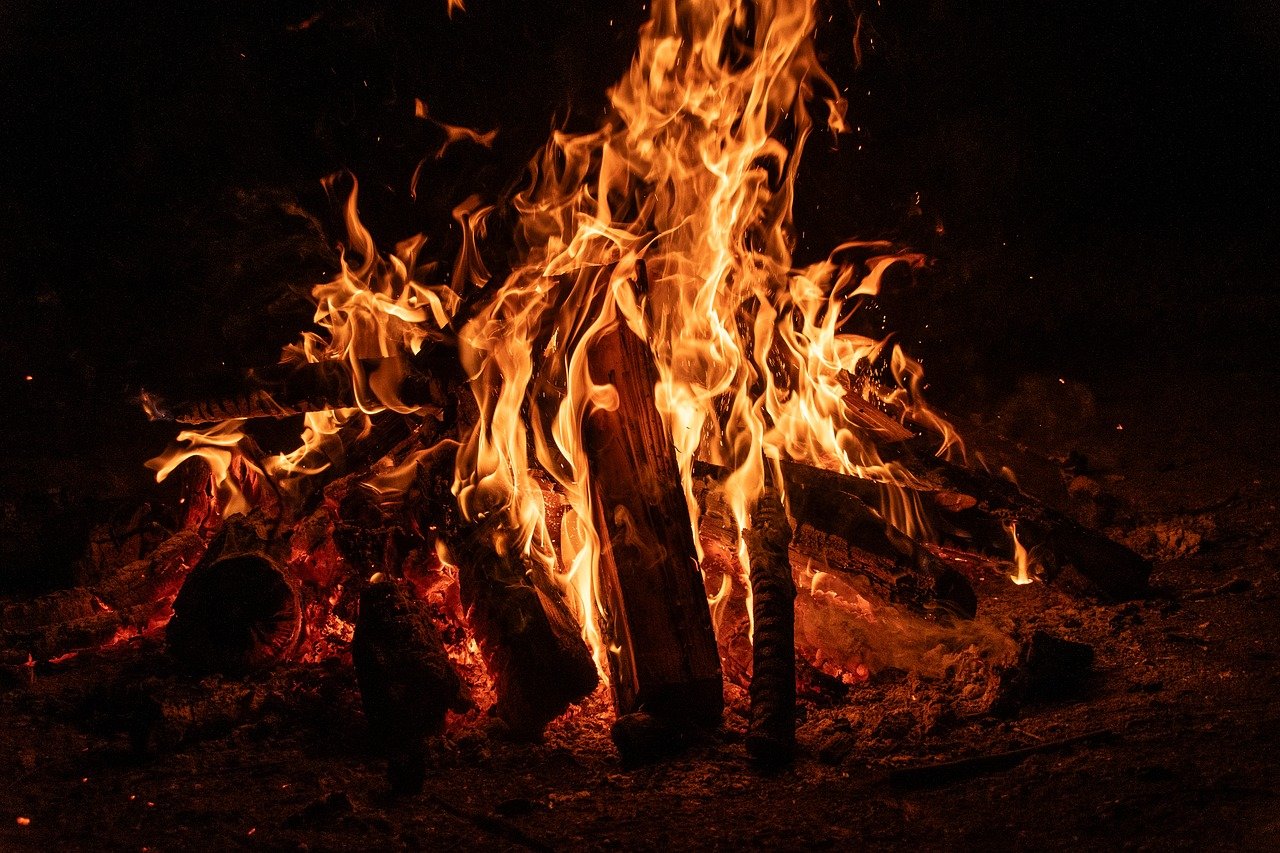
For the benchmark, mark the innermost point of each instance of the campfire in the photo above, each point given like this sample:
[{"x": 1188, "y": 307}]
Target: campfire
[{"x": 641, "y": 466}]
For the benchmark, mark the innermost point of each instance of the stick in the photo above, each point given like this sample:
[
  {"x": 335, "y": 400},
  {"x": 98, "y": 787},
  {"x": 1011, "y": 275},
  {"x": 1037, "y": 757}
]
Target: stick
[
  {"x": 420, "y": 381},
  {"x": 978, "y": 765}
]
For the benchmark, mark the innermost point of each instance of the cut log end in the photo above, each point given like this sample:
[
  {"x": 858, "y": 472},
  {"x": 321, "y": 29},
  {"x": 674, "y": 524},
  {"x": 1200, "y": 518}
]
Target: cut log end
[{"x": 234, "y": 615}]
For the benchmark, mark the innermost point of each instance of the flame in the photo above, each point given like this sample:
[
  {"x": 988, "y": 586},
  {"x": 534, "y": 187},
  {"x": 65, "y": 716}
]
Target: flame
[
  {"x": 1025, "y": 564},
  {"x": 675, "y": 218},
  {"x": 694, "y": 174}
]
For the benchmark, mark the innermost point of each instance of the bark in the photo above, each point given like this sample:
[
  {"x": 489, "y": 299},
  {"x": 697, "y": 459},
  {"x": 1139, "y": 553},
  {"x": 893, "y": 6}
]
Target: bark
[
  {"x": 407, "y": 682},
  {"x": 771, "y": 738}
]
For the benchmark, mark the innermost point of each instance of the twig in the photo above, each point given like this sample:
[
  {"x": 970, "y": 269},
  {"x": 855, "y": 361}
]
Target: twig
[
  {"x": 966, "y": 768},
  {"x": 491, "y": 824}
]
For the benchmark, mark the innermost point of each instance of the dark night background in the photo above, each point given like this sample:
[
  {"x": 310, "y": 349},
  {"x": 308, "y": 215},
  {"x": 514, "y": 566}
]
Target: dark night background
[{"x": 1103, "y": 172}]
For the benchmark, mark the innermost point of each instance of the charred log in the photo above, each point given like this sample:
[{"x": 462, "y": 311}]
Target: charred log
[
  {"x": 771, "y": 738},
  {"x": 407, "y": 681},
  {"x": 132, "y": 599},
  {"x": 1112, "y": 570},
  {"x": 239, "y": 610},
  {"x": 656, "y": 615},
  {"x": 530, "y": 643},
  {"x": 424, "y": 380},
  {"x": 837, "y": 530}
]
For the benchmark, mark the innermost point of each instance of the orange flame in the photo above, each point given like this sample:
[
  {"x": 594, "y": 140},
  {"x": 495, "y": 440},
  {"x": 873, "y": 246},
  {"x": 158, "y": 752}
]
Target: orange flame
[{"x": 693, "y": 175}]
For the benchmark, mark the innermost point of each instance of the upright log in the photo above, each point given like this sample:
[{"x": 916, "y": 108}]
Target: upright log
[
  {"x": 664, "y": 657},
  {"x": 771, "y": 739},
  {"x": 407, "y": 681}
]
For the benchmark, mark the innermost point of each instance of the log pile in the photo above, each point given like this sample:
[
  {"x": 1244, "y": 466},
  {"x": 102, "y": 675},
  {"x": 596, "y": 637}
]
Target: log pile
[{"x": 249, "y": 601}]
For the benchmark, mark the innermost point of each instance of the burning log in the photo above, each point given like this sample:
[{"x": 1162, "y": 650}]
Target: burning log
[
  {"x": 1112, "y": 570},
  {"x": 406, "y": 679},
  {"x": 836, "y": 530},
  {"x": 771, "y": 739},
  {"x": 530, "y": 643},
  {"x": 238, "y": 610},
  {"x": 665, "y": 659},
  {"x": 833, "y": 504},
  {"x": 425, "y": 380},
  {"x": 132, "y": 599}
]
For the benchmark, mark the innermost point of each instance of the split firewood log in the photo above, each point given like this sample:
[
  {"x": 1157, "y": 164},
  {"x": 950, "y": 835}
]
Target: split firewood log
[
  {"x": 531, "y": 646},
  {"x": 663, "y": 656}
]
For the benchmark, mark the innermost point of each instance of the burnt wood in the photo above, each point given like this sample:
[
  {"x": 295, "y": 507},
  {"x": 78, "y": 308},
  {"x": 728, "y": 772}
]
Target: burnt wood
[
  {"x": 664, "y": 658},
  {"x": 132, "y": 598},
  {"x": 771, "y": 736},
  {"x": 238, "y": 610},
  {"x": 538, "y": 661},
  {"x": 424, "y": 380},
  {"x": 836, "y": 529},
  {"x": 1113, "y": 571},
  {"x": 407, "y": 682}
]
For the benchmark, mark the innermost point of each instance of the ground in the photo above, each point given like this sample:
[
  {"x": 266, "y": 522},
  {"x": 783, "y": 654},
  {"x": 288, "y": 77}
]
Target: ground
[{"x": 1181, "y": 711}]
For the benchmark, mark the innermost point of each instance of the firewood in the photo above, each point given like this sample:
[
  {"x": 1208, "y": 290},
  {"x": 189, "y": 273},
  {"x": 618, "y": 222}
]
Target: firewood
[
  {"x": 407, "y": 681},
  {"x": 131, "y": 599},
  {"x": 836, "y": 530},
  {"x": 771, "y": 738},
  {"x": 539, "y": 662},
  {"x": 828, "y": 503},
  {"x": 643, "y": 738},
  {"x": 164, "y": 714},
  {"x": 663, "y": 655},
  {"x": 424, "y": 380},
  {"x": 1113, "y": 571},
  {"x": 239, "y": 610},
  {"x": 966, "y": 768}
]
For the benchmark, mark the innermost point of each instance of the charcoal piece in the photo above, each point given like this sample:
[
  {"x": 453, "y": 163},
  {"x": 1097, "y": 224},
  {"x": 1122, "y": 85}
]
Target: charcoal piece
[{"x": 643, "y": 738}]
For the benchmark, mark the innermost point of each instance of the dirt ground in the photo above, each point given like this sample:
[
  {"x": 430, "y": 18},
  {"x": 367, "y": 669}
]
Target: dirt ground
[{"x": 1175, "y": 732}]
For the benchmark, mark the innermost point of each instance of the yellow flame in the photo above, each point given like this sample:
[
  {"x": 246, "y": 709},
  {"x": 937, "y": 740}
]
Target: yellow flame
[
  {"x": 1021, "y": 558},
  {"x": 692, "y": 173}
]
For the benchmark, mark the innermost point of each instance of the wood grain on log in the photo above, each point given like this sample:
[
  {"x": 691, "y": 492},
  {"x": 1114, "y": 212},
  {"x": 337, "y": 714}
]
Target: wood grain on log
[{"x": 665, "y": 659}]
